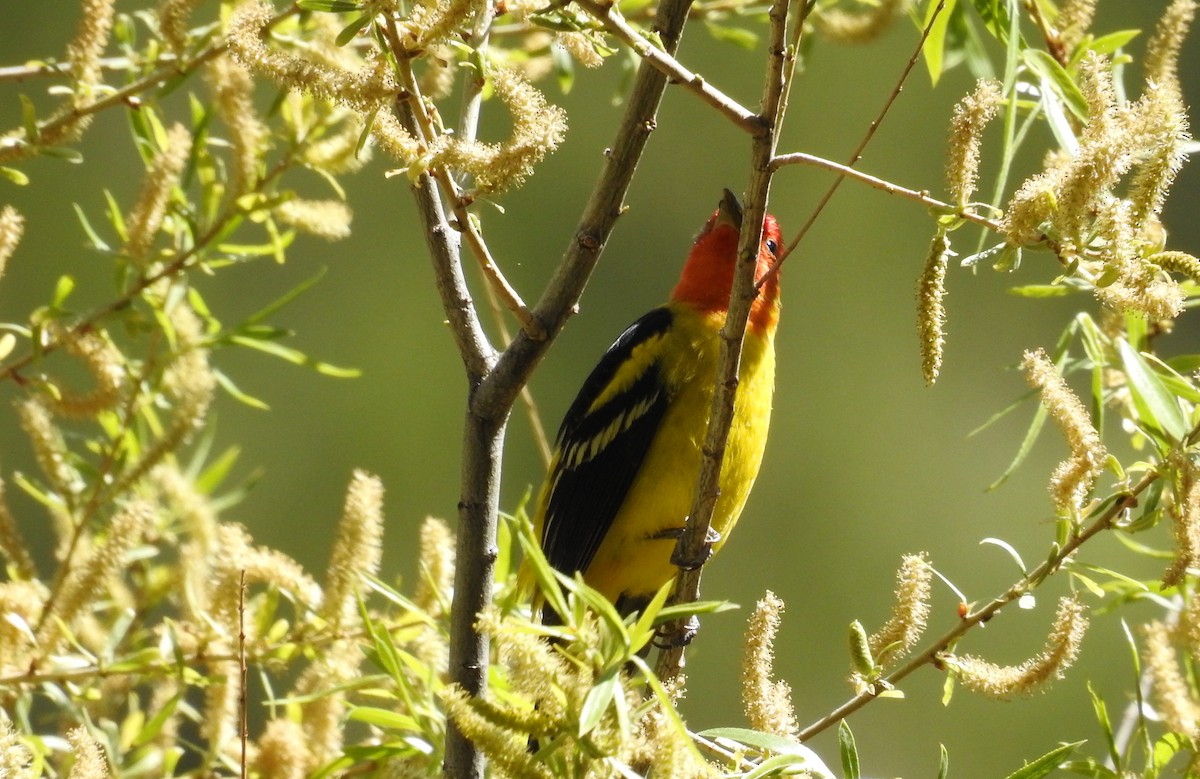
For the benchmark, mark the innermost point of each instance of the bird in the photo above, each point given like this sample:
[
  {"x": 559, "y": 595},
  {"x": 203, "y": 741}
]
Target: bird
[{"x": 621, "y": 480}]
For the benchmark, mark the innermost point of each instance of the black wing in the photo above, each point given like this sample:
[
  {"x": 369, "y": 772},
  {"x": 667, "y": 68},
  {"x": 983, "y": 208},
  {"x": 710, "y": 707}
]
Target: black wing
[{"x": 600, "y": 450}]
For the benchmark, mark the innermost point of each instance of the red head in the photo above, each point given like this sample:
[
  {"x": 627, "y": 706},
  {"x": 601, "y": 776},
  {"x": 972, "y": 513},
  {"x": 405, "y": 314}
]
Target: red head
[{"x": 707, "y": 275}]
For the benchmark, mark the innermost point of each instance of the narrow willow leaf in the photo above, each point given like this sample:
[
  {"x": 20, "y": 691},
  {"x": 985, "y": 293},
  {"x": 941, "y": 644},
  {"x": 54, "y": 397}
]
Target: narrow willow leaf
[
  {"x": 92, "y": 236},
  {"x": 849, "y": 752},
  {"x": 934, "y": 49},
  {"x": 1031, "y": 436},
  {"x": 1101, "y": 711},
  {"x": 1040, "y": 291},
  {"x": 1054, "y": 74},
  {"x": 943, "y": 762},
  {"x": 1107, "y": 44},
  {"x": 1047, "y": 763},
  {"x": 597, "y": 700},
  {"x": 1012, "y": 552},
  {"x": 1155, "y": 405}
]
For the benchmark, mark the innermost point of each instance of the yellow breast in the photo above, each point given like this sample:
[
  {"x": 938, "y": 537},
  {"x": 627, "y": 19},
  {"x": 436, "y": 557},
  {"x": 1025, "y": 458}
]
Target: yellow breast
[{"x": 633, "y": 560}]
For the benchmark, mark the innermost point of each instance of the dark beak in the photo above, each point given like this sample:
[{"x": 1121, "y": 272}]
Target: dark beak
[{"x": 729, "y": 212}]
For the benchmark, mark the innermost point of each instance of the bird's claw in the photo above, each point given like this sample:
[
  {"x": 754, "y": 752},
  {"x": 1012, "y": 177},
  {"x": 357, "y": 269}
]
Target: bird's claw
[
  {"x": 711, "y": 539},
  {"x": 675, "y": 635}
]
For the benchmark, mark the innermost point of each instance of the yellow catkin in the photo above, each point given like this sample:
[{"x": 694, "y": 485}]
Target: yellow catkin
[
  {"x": 1073, "y": 478},
  {"x": 143, "y": 222},
  {"x": 580, "y": 46},
  {"x": 433, "y": 23},
  {"x": 49, "y": 447},
  {"x": 16, "y": 758},
  {"x": 233, "y": 94},
  {"x": 103, "y": 361},
  {"x": 1158, "y": 123},
  {"x": 1162, "y": 52},
  {"x": 1186, "y": 524},
  {"x": 20, "y": 609},
  {"x": 506, "y": 751},
  {"x": 84, "y": 50},
  {"x": 12, "y": 227},
  {"x": 537, "y": 129},
  {"x": 328, "y": 219},
  {"x": 435, "y": 586},
  {"x": 910, "y": 611},
  {"x": 767, "y": 703},
  {"x": 1180, "y": 711},
  {"x": 283, "y": 751},
  {"x": 357, "y": 550},
  {"x": 362, "y": 89},
  {"x": 1003, "y": 682},
  {"x": 12, "y": 543},
  {"x": 189, "y": 383},
  {"x": 89, "y": 579},
  {"x": 90, "y": 762},
  {"x": 971, "y": 116},
  {"x": 173, "y": 19},
  {"x": 931, "y": 309},
  {"x": 1074, "y": 20}
]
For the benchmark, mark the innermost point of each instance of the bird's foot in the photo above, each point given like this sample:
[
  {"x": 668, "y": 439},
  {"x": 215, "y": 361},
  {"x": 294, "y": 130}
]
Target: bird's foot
[
  {"x": 674, "y": 635},
  {"x": 711, "y": 539}
]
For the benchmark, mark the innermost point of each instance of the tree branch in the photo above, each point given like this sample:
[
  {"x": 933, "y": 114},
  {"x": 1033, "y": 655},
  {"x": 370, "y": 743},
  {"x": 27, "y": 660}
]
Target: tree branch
[
  {"x": 671, "y": 67},
  {"x": 696, "y": 530},
  {"x": 923, "y": 197},
  {"x": 492, "y": 396},
  {"x": 979, "y": 616},
  {"x": 857, "y": 154}
]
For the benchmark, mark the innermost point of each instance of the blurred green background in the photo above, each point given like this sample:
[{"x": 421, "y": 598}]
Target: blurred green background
[{"x": 864, "y": 463}]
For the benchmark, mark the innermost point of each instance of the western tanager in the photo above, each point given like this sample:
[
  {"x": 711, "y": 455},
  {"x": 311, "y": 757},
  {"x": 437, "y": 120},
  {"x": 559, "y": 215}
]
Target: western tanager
[{"x": 621, "y": 481}]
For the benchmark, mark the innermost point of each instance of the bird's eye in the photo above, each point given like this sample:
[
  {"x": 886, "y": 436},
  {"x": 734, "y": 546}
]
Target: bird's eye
[{"x": 772, "y": 247}]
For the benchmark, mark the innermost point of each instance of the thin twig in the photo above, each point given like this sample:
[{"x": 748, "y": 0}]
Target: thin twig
[
  {"x": 922, "y": 196},
  {"x": 930, "y": 654},
  {"x": 857, "y": 154},
  {"x": 697, "y": 528},
  {"x": 671, "y": 67},
  {"x": 121, "y": 96}
]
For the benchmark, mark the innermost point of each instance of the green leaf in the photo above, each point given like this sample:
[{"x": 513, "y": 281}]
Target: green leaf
[
  {"x": 92, "y": 236},
  {"x": 1054, "y": 75},
  {"x": 351, "y": 30},
  {"x": 1031, "y": 436},
  {"x": 1047, "y": 763},
  {"x": 1155, "y": 405},
  {"x": 1107, "y": 44},
  {"x": 849, "y": 751},
  {"x": 763, "y": 742},
  {"x": 154, "y": 725},
  {"x": 329, "y": 6},
  {"x": 1012, "y": 552},
  {"x": 1038, "y": 291},
  {"x": 228, "y": 385},
  {"x": 995, "y": 15},
  {"x": 281, "y": 302},
  {"x": 934, "y": 49},
  {"x": 1101, "y": 711},
  {"x": 29, "y": 118},
  {"x": 542, "y": 572},
  {"x": 294, "y": 356},
  {"x": 62, "y": 290},
  {"x": 383, "y": 718},
  {"x": 943, "y": 762},
  {"x": 736, "y": 35},
  {"x": 597, "y": 700},
  {"x": 14, "y": 175}
]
